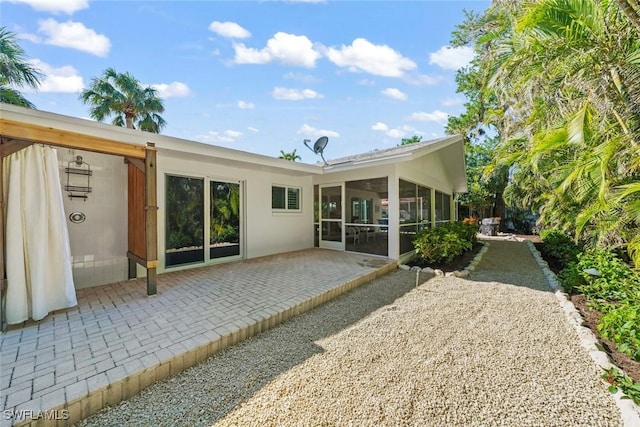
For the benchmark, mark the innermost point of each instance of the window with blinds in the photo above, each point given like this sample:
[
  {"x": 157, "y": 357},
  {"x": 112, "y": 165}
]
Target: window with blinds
[{"x": 285, "y": 198}]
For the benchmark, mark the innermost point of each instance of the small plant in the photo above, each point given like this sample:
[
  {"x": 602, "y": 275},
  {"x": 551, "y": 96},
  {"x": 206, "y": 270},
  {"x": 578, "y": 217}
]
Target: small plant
[
  {"x": 622, "y": 326},
  {"x": 559, "y": 246},
  {"x": 571, "y": 278},
  {"x": 444, "y": 243},
  {"x": 614, "y": 282},
  {"x": 618, "y": 380}
]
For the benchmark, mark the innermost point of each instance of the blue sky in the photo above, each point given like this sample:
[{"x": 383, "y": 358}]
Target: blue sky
[{"x": 259, "y": 76}]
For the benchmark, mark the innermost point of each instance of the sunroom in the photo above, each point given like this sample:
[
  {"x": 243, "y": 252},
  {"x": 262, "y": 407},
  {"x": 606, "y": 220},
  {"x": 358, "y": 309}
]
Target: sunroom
[{"x": 377, "y": 202}]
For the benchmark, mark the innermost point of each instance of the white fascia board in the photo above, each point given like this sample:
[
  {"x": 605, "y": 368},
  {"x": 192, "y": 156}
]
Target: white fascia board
[
  {"x": 184, "y": 146},
  {"x": 437, "y": 146},
  {"x": 138, "y": 137}
]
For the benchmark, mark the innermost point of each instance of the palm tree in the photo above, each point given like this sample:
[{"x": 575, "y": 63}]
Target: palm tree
[
  {"x": 631, "y": 8},
  {"x": 292, "y": 156},
  {"x": 15, "y": 71},
  {"x": 559, "y": 81},
  {"x": 121, "y": 95}
]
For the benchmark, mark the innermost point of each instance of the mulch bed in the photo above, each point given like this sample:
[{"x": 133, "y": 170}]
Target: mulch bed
[
  {"x": 591, "y": 318},
  {"x": 459, "y": 263}
]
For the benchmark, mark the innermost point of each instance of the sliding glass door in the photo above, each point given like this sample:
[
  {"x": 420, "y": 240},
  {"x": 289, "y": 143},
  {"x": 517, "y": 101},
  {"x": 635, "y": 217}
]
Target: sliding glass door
[
  {"x": 187, "y": 228},
  {"x": 224, "y": 226},
  {"x": 184, "y": 220}
]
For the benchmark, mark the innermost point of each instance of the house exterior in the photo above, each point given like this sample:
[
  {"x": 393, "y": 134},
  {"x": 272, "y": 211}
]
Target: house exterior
[{"x": 205, "y": 204}]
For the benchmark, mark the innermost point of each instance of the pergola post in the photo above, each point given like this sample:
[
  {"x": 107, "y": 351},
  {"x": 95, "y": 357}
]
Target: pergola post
[
  {"x": 3, "y": 282},
  {"x": 151, "y": 217}
]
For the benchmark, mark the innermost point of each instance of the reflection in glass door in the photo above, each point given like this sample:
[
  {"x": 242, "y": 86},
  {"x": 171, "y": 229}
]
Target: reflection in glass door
[
  {"x": 224, "y": 226},
  {"x": 184, "y": 220},
  {"x": 331, "y": 217}
]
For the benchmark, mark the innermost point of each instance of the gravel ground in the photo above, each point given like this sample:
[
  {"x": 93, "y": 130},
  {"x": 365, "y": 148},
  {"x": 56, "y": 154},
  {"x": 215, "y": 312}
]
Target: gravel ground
[{"x": 493, "y": 350}]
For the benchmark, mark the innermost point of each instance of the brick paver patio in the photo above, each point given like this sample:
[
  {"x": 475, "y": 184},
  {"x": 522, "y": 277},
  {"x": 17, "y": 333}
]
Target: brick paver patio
[{"x": 118, "y": 341}]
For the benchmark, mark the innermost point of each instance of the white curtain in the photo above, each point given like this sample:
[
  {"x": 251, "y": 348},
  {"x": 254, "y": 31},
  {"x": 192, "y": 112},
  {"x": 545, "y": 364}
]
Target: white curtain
[{"x": 39, "y": 274}]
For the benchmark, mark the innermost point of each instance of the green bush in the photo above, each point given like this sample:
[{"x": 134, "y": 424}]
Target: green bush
[
  {"x": 572, "y": 278},
  {"x": 616, "y": 281},
  {"x": 442, "y": 244},
  {"x": 622, "y": 326},
  {"x": 614, "y": 290},
  {"x": 559, "y": 246}
]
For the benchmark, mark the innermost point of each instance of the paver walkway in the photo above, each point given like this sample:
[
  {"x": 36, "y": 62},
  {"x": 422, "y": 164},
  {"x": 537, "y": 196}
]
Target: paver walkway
[
  {"x": 491, "y": 349},
  {"x": 118, "y": 341}
]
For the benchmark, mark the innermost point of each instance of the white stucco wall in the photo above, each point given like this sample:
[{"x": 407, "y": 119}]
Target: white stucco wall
[
  {"x": 99, "y": 244},
  {"x": 428, "y": 171},
  {"x": 265, "y": 232}
]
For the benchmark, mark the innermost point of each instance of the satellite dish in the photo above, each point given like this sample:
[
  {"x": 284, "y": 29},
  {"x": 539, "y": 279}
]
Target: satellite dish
[{"x": 318, "y": 147}]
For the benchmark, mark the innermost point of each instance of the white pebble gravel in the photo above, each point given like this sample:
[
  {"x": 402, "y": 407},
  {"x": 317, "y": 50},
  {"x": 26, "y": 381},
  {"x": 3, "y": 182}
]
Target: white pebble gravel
[{"x": 492, "y": 349}]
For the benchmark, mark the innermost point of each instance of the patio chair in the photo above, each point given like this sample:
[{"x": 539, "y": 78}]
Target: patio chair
[{"x": 352, "y": 233}]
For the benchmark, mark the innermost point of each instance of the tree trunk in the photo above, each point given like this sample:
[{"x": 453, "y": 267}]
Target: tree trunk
[
  {"x": 129, "y": 120},
  {"x": 632, "y": 10}
]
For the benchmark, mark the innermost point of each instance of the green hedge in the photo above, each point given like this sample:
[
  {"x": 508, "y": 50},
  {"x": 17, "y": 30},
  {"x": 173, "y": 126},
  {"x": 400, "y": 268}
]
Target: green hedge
[
  {"x": 443, "y": 243},
  {"x": 614, "y": 290}
]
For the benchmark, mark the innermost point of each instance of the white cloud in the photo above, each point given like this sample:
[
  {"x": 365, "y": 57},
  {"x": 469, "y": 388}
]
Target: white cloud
[
  {"x": 229, "y": 30},
  {"x": 396, "y": 133},
  {"x": 58, "y": 80},
  {"x": 55, "y": 6},
  {"x": 435, "y": 116},
  {"x": 423, "y": 80},
  {"x": 366, "y": 82},
  {"x": 287, "y": 49},
  {"x": 252, "y": 129},
  {"x": 244, "y": 105},
  {"x": 74, "y": 35},
  {"x": 452, "y": 102},
  {"x": 395, "y": 94},
  {"x": 306, "y": 78},
  {"x": 452, "y": 58},
  {"x": 214, "y": 136},
  {"x": 379, "y": 60},
  {"x": 307, "y": 130},
  {"x": 233, "y": 134},
  {"x": 283, "y": 93},
  {"x": 172, "y": 90}
]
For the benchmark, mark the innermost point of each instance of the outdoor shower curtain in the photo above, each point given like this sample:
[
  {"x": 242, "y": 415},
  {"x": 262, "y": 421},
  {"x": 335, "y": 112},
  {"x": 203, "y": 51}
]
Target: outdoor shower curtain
[{"x": 38, "y": 269}]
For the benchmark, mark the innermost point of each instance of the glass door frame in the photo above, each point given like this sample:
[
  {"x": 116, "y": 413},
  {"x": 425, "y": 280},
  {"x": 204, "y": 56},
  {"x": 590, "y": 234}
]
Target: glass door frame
[
  {"x": 241, "y": 220},
  {"x": 330, "y": 244}
]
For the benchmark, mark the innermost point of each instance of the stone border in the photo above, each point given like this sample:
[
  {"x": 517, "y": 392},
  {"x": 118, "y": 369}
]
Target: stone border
[
  {"x": 464, "y": 273},
  {"x": 630, "y": 411}
]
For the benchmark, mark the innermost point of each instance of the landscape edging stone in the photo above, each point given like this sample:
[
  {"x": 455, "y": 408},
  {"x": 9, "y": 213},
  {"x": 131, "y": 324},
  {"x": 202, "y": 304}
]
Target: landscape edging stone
[{"x": 629, "y": 410}]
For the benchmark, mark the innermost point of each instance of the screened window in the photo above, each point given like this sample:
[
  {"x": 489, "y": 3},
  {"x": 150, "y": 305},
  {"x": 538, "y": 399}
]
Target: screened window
[
  {"x": 285, "y": 198},
  {"x": 443, "y": 207}
]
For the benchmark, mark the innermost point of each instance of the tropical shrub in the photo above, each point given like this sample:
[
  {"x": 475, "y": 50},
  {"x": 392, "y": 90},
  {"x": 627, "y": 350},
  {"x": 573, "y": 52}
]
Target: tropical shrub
[
  {"x": 622, "y": 326},
  {"x": 571, "y": 277},
  {"x": 613, "y": 288},
  {"x": 559, "y": 246},
  {"x": 614, "y": 282},
  {"x": 442, "y": 244}
]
